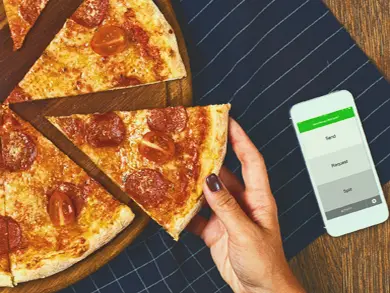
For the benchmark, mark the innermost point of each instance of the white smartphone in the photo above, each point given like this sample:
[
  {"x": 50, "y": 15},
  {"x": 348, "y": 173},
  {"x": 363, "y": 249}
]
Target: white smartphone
[{"x": 339, "y": 162}]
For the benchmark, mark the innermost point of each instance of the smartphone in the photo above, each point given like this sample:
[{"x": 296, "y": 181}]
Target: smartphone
[{"x": 339, "y": 163}]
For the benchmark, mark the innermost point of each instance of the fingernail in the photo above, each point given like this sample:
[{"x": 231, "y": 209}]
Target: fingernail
[{"x": 214, "y": 183}]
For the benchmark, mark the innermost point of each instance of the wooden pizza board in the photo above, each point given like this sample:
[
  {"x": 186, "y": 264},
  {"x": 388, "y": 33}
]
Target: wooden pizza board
[{"x": 14, "y": 65}]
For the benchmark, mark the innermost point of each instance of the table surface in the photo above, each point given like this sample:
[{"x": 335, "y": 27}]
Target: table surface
[{"x": 359, "y": 262}]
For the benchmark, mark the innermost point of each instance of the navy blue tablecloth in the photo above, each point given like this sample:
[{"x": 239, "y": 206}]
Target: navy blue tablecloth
[{"x": 262, "y": 56}]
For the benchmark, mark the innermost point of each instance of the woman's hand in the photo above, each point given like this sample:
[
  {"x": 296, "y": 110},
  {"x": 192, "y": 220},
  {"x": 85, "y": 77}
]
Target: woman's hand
[{"x": 243, "y": 233}]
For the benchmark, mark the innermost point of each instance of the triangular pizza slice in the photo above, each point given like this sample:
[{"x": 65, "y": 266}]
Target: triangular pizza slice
[
  {"x": 22, "y": 15},
  {"x": 105, "y": 45},
  {"x": 56, "y": 214},
  {"x": 160, "y": 157}
]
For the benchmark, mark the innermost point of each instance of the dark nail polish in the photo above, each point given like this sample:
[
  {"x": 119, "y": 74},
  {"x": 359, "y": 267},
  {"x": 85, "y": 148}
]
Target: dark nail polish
[{"x": 214, "y": 183}]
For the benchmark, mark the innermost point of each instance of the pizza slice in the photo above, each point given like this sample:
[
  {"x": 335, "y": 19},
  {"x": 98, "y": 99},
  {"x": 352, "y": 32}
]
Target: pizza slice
[
  {"x": 104, "y": 45},
  {"x": 5, "y": 274},
  {"x": 22, "y": 15},
  {"x": 57, "y": 215},
  {"x": 160, "y": 157}
]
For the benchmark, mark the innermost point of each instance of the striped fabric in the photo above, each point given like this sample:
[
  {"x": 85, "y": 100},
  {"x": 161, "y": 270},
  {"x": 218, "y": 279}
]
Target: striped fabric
[{"x": 262, "y": 56}]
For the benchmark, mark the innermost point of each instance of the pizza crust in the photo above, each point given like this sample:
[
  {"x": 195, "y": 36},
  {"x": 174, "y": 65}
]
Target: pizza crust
[
  {"x": 211, "y": 161},
  {"x": 60, "y": 262},
  {"x": 174, "y": 63},
  {"x": 5, "y": 280}
]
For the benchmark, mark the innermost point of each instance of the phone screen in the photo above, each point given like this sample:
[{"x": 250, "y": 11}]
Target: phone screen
[{"x": 338, "y": 162}]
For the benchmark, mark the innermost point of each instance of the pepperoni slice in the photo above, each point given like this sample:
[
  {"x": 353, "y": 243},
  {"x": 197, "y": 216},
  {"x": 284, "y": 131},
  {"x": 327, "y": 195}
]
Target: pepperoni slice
[
  {"x": 157, "y": 147},
  {"x": 61, "y": 209},
  {"x": 109, "y": 40},
  {"x": 8, "y": 121},
  {"x": 18, "y": 151},
  {"x": 148, "y": 187},
  {"x": 124, "y": 81},
  {"x": 91, "y": 13},
  {"x": 10, "y": 235},
  {"x": 105, "y": 130},
  {"x": 74, "y": 128},
  {"x": 18, "y": 95},
  {"x": 14, "y": 234},
  {"x": 75, "y": 194},
  {"x": 30, "y": 9},
  {"x": 168, "y": 120},
  {"x": 3, "y": 236}
]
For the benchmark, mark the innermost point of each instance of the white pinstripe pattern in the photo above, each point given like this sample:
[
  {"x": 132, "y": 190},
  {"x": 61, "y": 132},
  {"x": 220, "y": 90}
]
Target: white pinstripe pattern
[
  {"x": 296, "y": 92},
  {"x": 384, "y": 159},
  {"x": 296, "y": 203},
  {"x": 234, "y": 37},
  {"x": 200, "y": 12},
  {"x": 116, "y": 279},
  {"x": 197, "y": 261},
  {"x": 299, "y": 228},
  {"x": 349, "y": 76},
  {"x": 184, "y": 276},
  {"x": 277, "y": 53},
  {"x": 269, "y": 59},
  {"x": 73, "y": 289},
  {"x": 376, "y": 109},
  {"x": 221, "y": 288},
  {"x": 219, "y": 22},
  {"x": 382, "y": 132},
  {"x": 158, "y": 268},
  {"x": 94, "y": 283},
  {"x": 285, "y": 156},
  {"x": 367, "y": 89},
  {"x": 163, "y": 279},
  {"x": 296, "y": 64},
  {"x": 275, "y": 137},
  {"x": 289, "y": 181},
  {"x": 200, "y": 276},
  {"x": 134, "y": 270}
]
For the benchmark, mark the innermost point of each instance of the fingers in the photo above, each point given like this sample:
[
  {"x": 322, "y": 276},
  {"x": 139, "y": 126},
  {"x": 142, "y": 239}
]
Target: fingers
[
  {"x": 197, "y": 225},
  {"x": 257, "y": 196},
  {"x": 225, "y": 206},
  {"x": 254, "y": 170},
  {"x": 232, "y": 183},
  {"x": 209, "y": 230}
]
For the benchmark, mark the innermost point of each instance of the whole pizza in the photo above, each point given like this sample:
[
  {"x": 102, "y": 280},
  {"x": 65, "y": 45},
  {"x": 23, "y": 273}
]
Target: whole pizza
[{"x": 52, "y": 214}]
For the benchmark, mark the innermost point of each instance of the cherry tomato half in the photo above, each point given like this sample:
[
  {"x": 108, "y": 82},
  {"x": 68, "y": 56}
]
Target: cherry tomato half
[
  {"x": 61, "y": 209},
  {"x": 109, "y": 40}
]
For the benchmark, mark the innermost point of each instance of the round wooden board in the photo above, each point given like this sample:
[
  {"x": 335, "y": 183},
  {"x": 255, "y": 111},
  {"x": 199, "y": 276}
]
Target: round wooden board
[{"x": 14, "y": 65}]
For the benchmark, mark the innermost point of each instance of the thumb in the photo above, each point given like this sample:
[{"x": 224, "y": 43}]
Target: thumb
[{"x": 225, "y": 205}]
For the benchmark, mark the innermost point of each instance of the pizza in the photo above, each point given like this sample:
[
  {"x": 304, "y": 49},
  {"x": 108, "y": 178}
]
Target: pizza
[
  {"x": 104, "y": 45},
  {"x": 160, "y": 157},
  {"x": 53, "y": 212},
  {"x": 22, "y": 15},
  {"x": 5, "y": 274}
]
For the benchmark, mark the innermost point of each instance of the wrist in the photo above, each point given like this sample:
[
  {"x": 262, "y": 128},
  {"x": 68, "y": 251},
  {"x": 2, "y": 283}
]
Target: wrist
[{"x": 287, "y": 283}]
